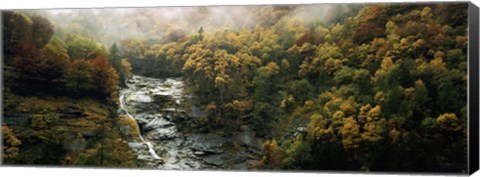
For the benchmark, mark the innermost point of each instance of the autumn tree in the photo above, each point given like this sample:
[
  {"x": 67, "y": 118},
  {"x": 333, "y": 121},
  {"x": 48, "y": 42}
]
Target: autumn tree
[
  {"x": 105, "y": 78},
  {"x": 272, "y": 155},
  {"x": 10, "y": 145},
  {"x": 78, "y": 77}
]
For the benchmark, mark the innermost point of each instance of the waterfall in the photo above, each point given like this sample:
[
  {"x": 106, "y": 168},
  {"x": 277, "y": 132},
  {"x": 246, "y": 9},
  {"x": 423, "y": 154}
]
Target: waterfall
[{"x": 124, "y": 108}]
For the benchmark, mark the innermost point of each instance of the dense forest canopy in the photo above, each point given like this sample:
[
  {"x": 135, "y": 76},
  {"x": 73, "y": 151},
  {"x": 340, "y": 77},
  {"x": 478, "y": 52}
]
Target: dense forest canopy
[{"x": 376, "y": 87}]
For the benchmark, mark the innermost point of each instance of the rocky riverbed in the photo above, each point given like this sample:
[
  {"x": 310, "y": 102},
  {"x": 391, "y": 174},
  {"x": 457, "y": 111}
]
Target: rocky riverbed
[{"x": 158, "y": 105}]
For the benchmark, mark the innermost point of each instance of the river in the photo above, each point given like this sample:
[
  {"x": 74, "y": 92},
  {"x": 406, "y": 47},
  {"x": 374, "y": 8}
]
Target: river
[{"x": 157, "y": 106}]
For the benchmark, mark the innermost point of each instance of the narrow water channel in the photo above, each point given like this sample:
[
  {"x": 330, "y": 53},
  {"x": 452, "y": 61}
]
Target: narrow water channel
[{"x": 156, "y": 104}]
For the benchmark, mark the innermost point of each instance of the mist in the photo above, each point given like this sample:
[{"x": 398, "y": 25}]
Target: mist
[{"x": 113, "y": 25}]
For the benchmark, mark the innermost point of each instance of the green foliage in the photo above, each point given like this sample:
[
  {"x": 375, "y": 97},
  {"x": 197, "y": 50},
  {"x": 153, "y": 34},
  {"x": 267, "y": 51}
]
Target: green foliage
[
  {"x": 80, "y": 47},
  {"x": 78, "y": 77},
  {"x": 297, "y": 154}
]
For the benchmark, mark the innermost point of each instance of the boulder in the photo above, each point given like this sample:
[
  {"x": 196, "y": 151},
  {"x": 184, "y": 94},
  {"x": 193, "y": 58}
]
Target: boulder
[
  {"x": 215, "y": 159},
  {"x": 157, "y": 122},
  {"x": 162, "y": 133},
  {"x": 208, "y": 143}
]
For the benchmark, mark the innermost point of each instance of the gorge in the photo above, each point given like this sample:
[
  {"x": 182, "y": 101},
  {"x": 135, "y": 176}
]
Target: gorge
[{"x": 157, "y": 105}]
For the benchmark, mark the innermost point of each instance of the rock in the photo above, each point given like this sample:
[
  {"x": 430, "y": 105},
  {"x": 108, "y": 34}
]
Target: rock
[
  {"x": 251, "y": 157},
  {"x": 249, "y": 140},
  {"x": 143, "y": 118},
  {"x": 162, "y": 133},
  {"x": 169, "y": 166},
  {"x": 157, "y": 123},
  {"x": 168, "y": 117},
  {"x": 161, "y": 98},
  {"x": 137, "y": 145},
  {"x": 173, "y": 110},
  {"x": 192, "y": 165},
  {"x": 143, "y": 97},
  {"x": 302, "y": 129},
  {"x": 240, "y": 166},
  {"x": 155, "y": 104},
  {"x": 240, "y": 156},
  {"x": 199, "y": 153},
  {"x": 141, "y": 84},
  {"x": 139, "y": 148},
  {"x": 145, "y": 157},
  {"x": 209, "y": 143},
  {"x": 215, "y": 159}
]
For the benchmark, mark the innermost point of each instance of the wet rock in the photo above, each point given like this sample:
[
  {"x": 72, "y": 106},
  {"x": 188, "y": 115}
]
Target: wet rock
[
  {"x": 161, "y": 98},
  {"x": 155, "y": 103},
  {"x": 302, "y": 129},
  {"x": 208, "y": 143},
  {"x": 199, "y": 153},
  {"x": 169, "y": 166},
  {"x": 141, "y": 118},
  {"x": 162, "y": 133},
  {"x": 137, "y": 145},
  {"x": 145, "y": 157},
  {"x": 143, "y": 97},
  {"x": 157, "y": 123},
  {"x": 193, "y": 165},
  {"x": 139, "y": 148}
]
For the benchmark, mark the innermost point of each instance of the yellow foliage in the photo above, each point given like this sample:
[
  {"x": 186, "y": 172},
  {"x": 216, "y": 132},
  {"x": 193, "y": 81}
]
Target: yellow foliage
[
  {"x": 449, "y": 122},
  {"x": 350, "y": 133},
  {"x": 10, "y": 148},
  {"x": 437, "y": 64},
  {"x": 273, "y": 67},
  {"x": 272, "y": 154},
  {"x": 283, "y": 104},
  {"x": 349, "y": 107},
  {"x": 309, "y": 103},
  {"x": 211, "y": 107},
  {"x": 219, "y": 81},
  {"x": 339, "y": 115},
  {"x": 374, "y": 113},
  {"x": 131, "y": 126},
  {"x": 387, "y": 63},
  {"x": 379, "y": 97}
]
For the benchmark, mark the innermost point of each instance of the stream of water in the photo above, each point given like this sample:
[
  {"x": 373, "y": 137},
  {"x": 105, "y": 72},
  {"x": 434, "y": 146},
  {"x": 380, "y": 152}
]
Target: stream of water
[
  {"x": 156, "y": 104},
  {"x": 149, "y": 144}
]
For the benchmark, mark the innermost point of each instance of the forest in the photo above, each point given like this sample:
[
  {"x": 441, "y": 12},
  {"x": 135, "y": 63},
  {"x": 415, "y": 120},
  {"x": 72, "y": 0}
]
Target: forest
[{"x": 343, "y": 87}]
